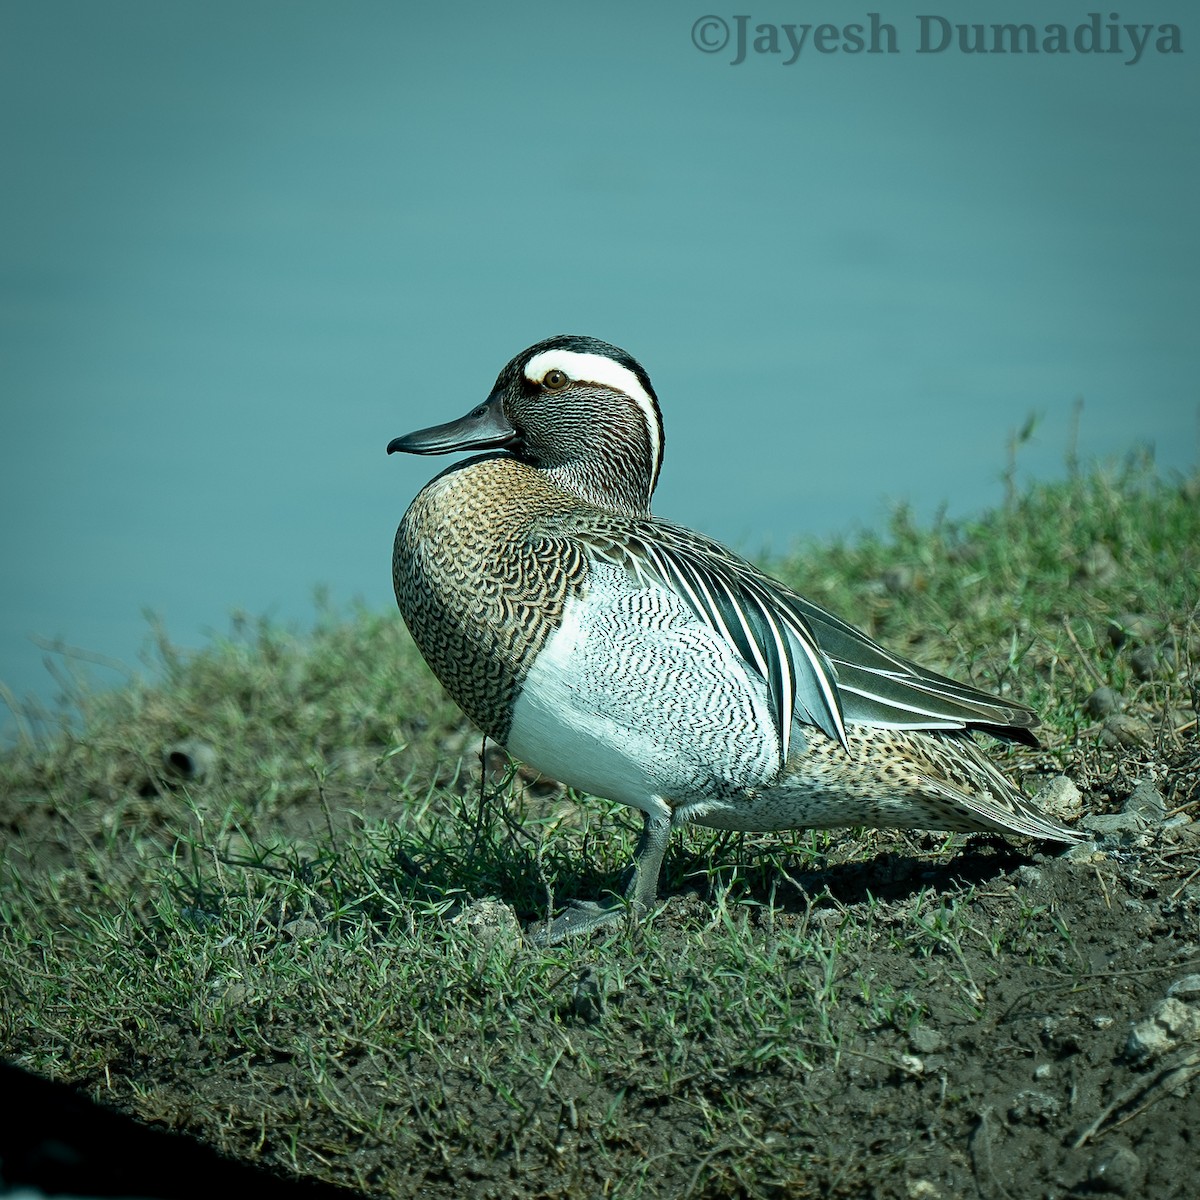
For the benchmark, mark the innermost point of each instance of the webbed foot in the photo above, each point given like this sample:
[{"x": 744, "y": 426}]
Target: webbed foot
[{"x": 582, "y": 916}]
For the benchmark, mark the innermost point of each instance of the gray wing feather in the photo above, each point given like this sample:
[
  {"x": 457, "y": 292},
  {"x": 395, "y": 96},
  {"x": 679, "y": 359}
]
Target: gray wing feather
[{"x": 880, "y": 688}]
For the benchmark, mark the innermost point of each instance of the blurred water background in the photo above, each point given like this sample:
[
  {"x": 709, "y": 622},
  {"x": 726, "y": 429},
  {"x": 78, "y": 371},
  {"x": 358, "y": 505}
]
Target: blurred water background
[{"x": 243, "y": 245}]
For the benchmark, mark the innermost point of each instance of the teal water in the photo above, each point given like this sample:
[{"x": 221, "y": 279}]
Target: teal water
[{"x": 244, "y": 245}]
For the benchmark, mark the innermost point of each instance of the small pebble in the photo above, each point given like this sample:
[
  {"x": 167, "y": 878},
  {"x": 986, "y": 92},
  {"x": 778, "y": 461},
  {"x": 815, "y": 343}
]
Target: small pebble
[
  {"x": 1122, "y": 730},
  {"x": 199, "y": 917},
  {"x": 925, "y": 1040},
  {"x": 1032, "y": 1106},
  {"x": 1119, "y": 1171},
  {"x": 1134, "y": 629},
  {"x": 1113, "y": 826},
  {"x": 1102, "y": 701},
  {"x": 302, "y": 930},
  {"x": 229, "y": 993},
  {"x": 190, "y": 759},
  {"x": 1098, "y": 565},
  {"x": 1060, "y": 798},
  {"x": 1187, "y": 989},
  {"x": 922, "y": 1189},
  {"x": 354, "y": 761},
  {"x": 490, "y": 921},
  {"x": 1170, "y": 1022},
  {"x": 1145, "y": 662},
  {"x": 588, "y": 999},
  {"x": 965, "y": 553},
  {"x": 1146, "y": 801},
  {"x": 899, "y": 579}
]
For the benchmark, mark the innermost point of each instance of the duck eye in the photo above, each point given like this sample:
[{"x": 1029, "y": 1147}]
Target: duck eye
[{"x": 555, "y": 380}]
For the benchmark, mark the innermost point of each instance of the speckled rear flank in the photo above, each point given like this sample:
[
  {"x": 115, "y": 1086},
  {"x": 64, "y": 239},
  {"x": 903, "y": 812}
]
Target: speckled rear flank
[
  {"x": 891, "y": 779},
  {"x": 479, "y": 590}
]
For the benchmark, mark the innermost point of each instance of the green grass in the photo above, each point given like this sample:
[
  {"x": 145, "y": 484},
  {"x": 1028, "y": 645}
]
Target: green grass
[{"x": 279, "y": 955}]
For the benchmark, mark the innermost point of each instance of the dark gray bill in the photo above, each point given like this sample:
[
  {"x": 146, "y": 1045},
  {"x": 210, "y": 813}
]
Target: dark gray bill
[{"x": 483, "y": 428}]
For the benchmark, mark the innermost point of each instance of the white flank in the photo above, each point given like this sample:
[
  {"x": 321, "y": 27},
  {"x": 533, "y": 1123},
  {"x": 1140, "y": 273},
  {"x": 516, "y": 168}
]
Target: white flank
[
  {"x": 635, "y": 698},
  {"x": 558, "y": 729}
]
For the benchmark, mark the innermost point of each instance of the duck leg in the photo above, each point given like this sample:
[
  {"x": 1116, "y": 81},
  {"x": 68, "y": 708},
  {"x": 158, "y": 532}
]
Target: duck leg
[{"x": 582, "y": 916}]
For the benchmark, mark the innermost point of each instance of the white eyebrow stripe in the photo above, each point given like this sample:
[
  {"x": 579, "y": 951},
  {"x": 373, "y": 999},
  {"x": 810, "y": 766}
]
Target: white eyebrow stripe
[{"x": 596, "y": 368}]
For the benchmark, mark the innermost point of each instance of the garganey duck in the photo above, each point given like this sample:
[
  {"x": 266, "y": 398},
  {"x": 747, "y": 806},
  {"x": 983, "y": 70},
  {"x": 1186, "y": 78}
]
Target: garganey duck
[{"x": 631, "y": 658}]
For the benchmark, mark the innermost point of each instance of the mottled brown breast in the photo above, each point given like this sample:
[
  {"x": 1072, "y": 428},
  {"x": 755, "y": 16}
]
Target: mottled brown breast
[{"x": 480, "y": 588}]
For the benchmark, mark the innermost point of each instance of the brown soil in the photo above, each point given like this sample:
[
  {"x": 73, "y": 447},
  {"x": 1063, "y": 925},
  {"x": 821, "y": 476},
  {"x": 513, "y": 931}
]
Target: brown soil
[{"x": 1053, "y": 1049}]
